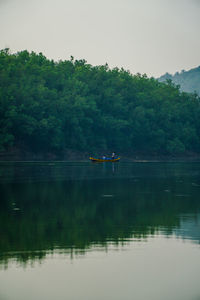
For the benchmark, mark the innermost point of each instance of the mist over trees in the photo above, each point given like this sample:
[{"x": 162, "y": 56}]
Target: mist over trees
[
  {"x": 189, "y": 81},
  {"x": 48, "y": 106}
]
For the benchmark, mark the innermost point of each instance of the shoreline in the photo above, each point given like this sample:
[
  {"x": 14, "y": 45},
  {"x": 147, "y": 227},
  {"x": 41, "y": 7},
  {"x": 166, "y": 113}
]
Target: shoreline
[
  {"x": 123, "y": 159},
  {"x": 16, "y": 155}
]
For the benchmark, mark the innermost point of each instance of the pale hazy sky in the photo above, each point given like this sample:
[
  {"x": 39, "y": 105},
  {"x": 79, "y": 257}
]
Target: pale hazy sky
[{"x": 146, "y": 36}]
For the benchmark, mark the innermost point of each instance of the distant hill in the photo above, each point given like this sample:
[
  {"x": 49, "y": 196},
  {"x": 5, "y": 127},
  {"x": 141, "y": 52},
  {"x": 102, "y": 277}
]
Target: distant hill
[{"x": 189, "y": 81}]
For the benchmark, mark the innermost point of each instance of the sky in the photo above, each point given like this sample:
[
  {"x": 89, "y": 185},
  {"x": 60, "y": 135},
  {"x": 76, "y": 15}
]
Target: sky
[{"x": 142, "y": 36}]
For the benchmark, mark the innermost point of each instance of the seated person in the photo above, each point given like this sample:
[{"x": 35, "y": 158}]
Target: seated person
[{"x": 113, "y": 155}]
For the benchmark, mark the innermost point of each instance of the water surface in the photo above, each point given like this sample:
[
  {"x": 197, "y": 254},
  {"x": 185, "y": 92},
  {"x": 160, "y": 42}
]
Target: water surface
[{"x": 100, "y": 231}]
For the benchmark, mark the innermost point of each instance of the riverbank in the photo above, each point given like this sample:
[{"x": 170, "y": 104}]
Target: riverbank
[{"x": 69, "y": 155}]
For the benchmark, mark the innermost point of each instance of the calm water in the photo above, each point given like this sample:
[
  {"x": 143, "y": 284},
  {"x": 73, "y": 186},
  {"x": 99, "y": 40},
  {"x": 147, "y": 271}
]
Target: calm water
[{"x": 114, "y": 231}]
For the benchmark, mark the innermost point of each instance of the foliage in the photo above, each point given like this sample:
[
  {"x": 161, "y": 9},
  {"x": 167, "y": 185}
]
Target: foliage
[{"x": 48, "y": 106}]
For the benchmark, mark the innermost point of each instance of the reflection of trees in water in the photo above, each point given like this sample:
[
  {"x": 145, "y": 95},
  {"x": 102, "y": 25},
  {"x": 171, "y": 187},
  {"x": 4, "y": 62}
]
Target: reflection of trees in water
[
  {"x": 38, "y": 218},
  {"x": 56, "y": 171}
]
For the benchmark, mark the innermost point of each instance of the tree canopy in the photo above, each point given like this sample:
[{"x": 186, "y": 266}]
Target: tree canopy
[{"x": 48, "y": 106}]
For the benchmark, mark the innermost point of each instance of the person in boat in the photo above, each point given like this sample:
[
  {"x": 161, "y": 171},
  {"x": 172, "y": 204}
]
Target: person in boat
[{"x": 113, "y": 155}]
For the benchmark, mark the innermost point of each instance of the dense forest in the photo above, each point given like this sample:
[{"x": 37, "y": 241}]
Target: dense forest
[
  {"x": 54, "y": 107},
  {"x": 189, "y": 81}
]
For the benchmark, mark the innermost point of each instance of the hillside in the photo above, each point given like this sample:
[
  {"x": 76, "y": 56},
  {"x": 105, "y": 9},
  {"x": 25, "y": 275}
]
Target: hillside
[
  {"x": 189, "y": 81},
  {"x": 72, "y": 106}
]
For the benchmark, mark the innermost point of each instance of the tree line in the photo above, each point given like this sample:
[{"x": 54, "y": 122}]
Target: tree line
[{"x": 48, "y": 106}]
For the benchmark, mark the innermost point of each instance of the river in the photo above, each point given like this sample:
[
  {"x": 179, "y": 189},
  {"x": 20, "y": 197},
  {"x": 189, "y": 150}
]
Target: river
[{"x": 99, "y": 231}]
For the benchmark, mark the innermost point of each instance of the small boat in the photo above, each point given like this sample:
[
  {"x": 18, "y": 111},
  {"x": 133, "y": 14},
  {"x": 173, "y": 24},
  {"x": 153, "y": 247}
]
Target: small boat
[{"x": 107, "y": 159}]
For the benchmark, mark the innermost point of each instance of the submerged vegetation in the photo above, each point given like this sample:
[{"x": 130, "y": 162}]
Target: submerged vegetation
[{"x": 48, "y": 106}]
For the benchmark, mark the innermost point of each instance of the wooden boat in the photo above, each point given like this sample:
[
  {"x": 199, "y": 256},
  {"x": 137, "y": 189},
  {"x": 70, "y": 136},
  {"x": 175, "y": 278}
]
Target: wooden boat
[{"x": 108, "y": 159}]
